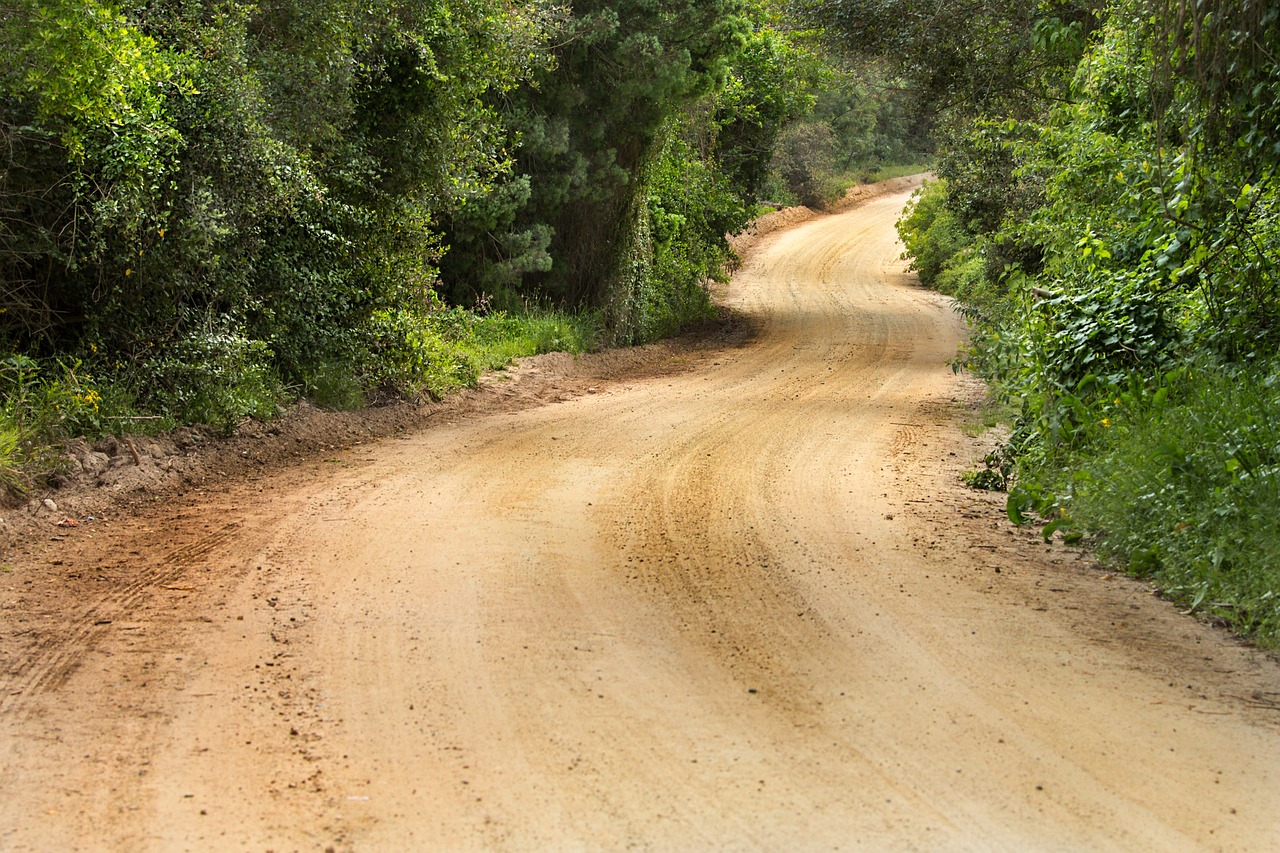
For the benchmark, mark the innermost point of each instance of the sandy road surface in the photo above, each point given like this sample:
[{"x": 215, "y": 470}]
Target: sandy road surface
[{"x": 740, "y": 606}]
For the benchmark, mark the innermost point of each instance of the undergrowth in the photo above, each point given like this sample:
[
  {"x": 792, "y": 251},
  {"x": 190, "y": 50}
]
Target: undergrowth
[
  {"x": 825, "y": 187},
  {"x": 220, "y": 378},
  {"x": 39, "y": 407},
  {"x": 1181, "y": 484},
  {"x": 876, "y": 172},
  {"x": 1127, "y": 432}
]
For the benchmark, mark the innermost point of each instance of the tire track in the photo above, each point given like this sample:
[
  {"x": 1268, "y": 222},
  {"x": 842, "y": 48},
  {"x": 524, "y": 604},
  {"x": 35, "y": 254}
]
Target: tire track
[
  {"x": 51, "y": 660},
  {"x": 745, "y": 605}
]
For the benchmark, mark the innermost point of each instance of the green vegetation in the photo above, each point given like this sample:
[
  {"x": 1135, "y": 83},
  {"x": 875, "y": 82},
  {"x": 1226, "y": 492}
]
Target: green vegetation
[
  {"x": 1185, "y": 479},
  {"x": 1107, "y": 216},
  {"x": 210, "y": 209},
  {"x": 863, "y": 127},
  {"x": 875, "y": 172}
]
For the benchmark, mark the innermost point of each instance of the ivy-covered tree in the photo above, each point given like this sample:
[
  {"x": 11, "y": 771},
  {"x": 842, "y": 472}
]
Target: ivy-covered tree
[{"x": 594, "y": 214}]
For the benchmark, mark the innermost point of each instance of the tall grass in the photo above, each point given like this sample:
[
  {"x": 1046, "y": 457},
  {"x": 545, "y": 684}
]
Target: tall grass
[
  {"x": 38, "y": 406},
  {"x": 43, "y": 404},
  {"x": 494, "y": 340},
  {"x": 1182, "y": 485},
  {"x": 12, "y": 479}
]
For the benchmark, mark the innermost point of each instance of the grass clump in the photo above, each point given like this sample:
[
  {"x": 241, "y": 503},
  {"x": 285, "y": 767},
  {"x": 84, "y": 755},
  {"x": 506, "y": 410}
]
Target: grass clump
[
  {"x": 40, "y": 405},
  {"x": 493, "y": 340}
]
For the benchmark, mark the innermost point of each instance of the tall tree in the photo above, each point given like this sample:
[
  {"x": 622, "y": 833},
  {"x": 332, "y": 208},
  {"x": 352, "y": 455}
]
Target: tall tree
[{"x": 595, "y": 121}]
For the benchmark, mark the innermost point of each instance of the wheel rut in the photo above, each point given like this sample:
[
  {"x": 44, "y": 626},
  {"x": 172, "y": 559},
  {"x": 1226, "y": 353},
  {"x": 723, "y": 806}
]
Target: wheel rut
[{"x": 736, "y": 601}]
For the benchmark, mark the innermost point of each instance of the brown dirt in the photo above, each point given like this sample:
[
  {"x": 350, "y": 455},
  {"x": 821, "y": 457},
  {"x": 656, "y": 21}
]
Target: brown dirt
[{"x": 721, "y": 593}]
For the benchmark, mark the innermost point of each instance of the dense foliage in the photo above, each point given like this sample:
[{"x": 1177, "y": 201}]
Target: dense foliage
[
  {"x": 208, "y": 207},
  {"x": 1112, "y": 229},
  {"x": 234, "y": 187}
]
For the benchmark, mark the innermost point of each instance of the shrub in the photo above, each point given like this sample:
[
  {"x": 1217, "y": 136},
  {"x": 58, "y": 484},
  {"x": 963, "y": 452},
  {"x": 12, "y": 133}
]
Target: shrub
[
  {"x": 412, "y": 357},
  {"x": 217, "y": 377},
  {"x": 805, "y": 160},
  {"x": 931, "y": 233}
]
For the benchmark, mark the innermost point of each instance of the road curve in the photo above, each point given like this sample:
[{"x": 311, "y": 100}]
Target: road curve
[{"x": 742, "y": 606}]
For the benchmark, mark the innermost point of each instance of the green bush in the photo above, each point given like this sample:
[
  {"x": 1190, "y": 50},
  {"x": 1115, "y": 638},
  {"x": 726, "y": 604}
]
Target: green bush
[
  {"x": 440, "y": 352},
  {"x": 334, "y": 386},
  {"x": 932, "y": 234},
  {"x": 805, "y": 161},
  {"x": 964, "y": 276},
  {"x": 412, "y": 357},
  {"x": 217, "y": 377}
]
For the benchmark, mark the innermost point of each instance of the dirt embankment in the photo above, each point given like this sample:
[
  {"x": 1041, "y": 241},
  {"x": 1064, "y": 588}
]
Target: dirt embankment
[{"x": 730, "y": 596}]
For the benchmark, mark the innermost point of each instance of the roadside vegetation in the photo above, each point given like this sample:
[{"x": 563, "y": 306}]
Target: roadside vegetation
[
  {"x": 210, "y": 210},
  {"x": 1107, "y": 215}
]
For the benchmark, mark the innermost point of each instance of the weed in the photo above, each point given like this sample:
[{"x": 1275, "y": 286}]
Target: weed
[
  {"x": 40, "y": 406},
  {"x": 996, "y": 473}
]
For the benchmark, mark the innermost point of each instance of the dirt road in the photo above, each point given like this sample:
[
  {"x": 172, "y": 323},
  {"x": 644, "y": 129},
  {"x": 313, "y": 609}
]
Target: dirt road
[{"x": 741, "y": 604}]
